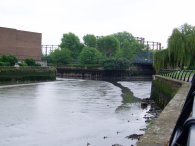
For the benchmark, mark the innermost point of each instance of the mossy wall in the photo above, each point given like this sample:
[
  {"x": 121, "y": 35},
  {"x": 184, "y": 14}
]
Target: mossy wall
[
  {"x": 164, "y": 89},
  {"x": 12, "y": 74}
]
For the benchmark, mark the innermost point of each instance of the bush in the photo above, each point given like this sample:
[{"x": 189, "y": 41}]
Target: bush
[
  {"x": 116, "y": 64},
  {"x": 8, "y": 60},
  {"x": 27, "y": 73},
  {"x": 4, "y": 63},
  {"x": 30, "y": 62}
]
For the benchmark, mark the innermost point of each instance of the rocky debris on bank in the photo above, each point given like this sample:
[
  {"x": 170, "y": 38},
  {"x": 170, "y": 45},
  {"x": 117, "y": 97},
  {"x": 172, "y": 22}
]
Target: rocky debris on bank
[
  {"x": 117, "y": 145},
  {"x": 154, "y": 109},
  {"x": 134, "y": 136}
]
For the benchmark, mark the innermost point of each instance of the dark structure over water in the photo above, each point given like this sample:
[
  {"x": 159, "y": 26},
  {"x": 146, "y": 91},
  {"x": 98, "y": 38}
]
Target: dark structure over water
[{"x": 136, "y": 72}]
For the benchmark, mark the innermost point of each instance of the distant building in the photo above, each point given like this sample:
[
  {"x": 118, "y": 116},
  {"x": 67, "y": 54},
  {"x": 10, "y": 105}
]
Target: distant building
[{"x": 22, "y": 44}]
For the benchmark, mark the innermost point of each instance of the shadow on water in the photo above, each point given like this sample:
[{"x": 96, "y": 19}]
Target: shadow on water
[{"x": 127, "y": 97}]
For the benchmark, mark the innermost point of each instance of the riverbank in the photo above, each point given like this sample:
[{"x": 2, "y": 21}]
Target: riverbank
[
  {"x": 159, "y": 131},
  {"x": 11, "y": 75}
]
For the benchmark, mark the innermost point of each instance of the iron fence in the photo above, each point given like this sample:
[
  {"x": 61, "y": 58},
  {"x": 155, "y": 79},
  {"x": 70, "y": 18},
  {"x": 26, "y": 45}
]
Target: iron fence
[
  {"x": 184, "y": 131},
  {"x": 182, "y": 75}
]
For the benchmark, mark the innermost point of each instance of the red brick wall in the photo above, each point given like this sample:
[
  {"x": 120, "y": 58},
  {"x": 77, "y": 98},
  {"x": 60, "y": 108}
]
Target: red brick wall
[{"x": 22, "y": 44}]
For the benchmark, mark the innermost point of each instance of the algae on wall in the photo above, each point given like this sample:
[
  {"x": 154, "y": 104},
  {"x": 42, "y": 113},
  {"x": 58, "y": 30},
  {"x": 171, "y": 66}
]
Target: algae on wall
[
  {"x": 162, "y": 92},
  {"x": 12, "y": 74}
]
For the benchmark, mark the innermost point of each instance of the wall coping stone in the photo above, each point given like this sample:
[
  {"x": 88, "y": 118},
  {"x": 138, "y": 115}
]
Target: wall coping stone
[{"x": 160, "y": 129}]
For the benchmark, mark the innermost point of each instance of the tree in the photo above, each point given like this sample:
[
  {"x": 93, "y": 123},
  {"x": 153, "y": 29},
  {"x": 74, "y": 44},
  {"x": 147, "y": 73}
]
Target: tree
[
  {"x": 180, "y": 52},
  {"x": 108, "y": 45},
  {"x": 181, "y": 46},
  {"x": 90, "y": 56},
  {"x": 129, "y": 46},
  {"x": 90, "y": 40},
  {"x": 161, "y": 60},
  {"x": 71, "y": 42},
  {"x": 61, "y": 56}
]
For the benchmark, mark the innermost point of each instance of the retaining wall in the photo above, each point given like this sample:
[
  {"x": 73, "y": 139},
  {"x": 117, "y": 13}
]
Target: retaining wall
[
  {"x": 13, "y": 74},
  {"x": 159, "y": 130}
]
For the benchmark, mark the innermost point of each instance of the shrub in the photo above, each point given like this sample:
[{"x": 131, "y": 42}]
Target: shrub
[
  {"x": 8, "y": 60},
  {"x": 4, "y": 63},
  {"x": 30, "y": 62},
  {"x": 116, "y": 64}
]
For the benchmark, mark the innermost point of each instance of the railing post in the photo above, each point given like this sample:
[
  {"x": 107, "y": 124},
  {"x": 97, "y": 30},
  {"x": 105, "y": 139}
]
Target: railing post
[
  {"x": 189, "y": 76},
  {"x": 182, "y": 75},
  {"x": 185, "y": 75}
]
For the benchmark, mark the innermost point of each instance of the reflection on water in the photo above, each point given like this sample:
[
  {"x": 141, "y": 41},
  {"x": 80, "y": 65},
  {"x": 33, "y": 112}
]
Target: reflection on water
[{"x": 72, "y": 113}]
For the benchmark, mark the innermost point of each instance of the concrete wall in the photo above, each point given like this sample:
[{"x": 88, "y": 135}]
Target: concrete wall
[
  {"x": 22, "y": 44},
  {"x": 164, "y": 89},
  {"x": 159, "y": 130}
]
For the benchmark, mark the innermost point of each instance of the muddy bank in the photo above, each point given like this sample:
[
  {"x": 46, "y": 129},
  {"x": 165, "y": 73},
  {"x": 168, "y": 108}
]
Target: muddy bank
[{"x": 146, "y": 103}]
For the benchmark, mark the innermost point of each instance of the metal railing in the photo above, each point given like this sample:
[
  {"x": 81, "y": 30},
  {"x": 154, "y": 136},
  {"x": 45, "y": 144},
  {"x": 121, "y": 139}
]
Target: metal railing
[
  {"x": 182, "y": 75},
  {"x": 184, "y": 131}
]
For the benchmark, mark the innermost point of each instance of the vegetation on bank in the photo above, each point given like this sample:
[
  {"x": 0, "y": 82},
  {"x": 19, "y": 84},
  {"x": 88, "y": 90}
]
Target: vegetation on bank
[
  {"x": 27, "y": 73},
  {"x": 162, "y": 92},
  {"x": 114, "y": 51},
  {"x": 27, "y": 70},
  {"x": 11, "y": 60},
  {"x": 180, "y": 52}
]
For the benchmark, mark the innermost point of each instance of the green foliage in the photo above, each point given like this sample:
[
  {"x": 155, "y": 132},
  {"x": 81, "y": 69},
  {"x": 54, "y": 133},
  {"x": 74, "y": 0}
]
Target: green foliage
[
  {"x": 129, "y": 47},
  {"x": 71, "y": 42},
  {"x": 60, "y": 56},
  {"x": 161, "y": 60},
  {"x": 162, "y": 92},
  {"x": 27, "y": 73},
  {"x": 119, "y": 45},
  {"x": 108, "y": 45},
  {"x": 90, "y": 56},
  {"x": 116, "y": 64},
  {"x": 22, "y": 64},
  {"x": 8, "y": 60},
  {"x": 30, "y": 62},
  {"x": 181, "y": 47},
  {"x": 90, "y": 40},
  {"x": 180, "y": 52},
  {"x": 4, "y": 63}
]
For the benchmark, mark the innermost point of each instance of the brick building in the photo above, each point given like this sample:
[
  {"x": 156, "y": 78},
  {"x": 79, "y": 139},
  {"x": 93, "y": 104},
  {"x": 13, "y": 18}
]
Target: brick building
[{"x": 22, "y": 44}]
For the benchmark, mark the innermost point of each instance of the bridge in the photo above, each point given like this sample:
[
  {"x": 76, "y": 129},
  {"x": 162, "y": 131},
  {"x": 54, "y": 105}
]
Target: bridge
[
  {"x": 176, "y": 124},
  {"x": 136, "y": 72}
]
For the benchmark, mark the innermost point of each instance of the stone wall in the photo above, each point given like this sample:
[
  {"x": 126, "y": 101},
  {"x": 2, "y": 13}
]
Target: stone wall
[
  {"x": 164, "y": 89},
  {"x": 159, "y": 130},
  {"x": 22, "y": 44}
]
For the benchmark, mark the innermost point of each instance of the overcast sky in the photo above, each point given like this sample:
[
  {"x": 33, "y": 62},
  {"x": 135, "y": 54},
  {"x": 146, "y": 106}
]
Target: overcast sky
[{"x": 152, "y": 19}]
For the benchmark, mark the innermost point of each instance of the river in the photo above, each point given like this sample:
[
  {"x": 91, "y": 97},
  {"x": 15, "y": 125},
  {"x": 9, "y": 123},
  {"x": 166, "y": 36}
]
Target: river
[{"x": 71, "y": 112}]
